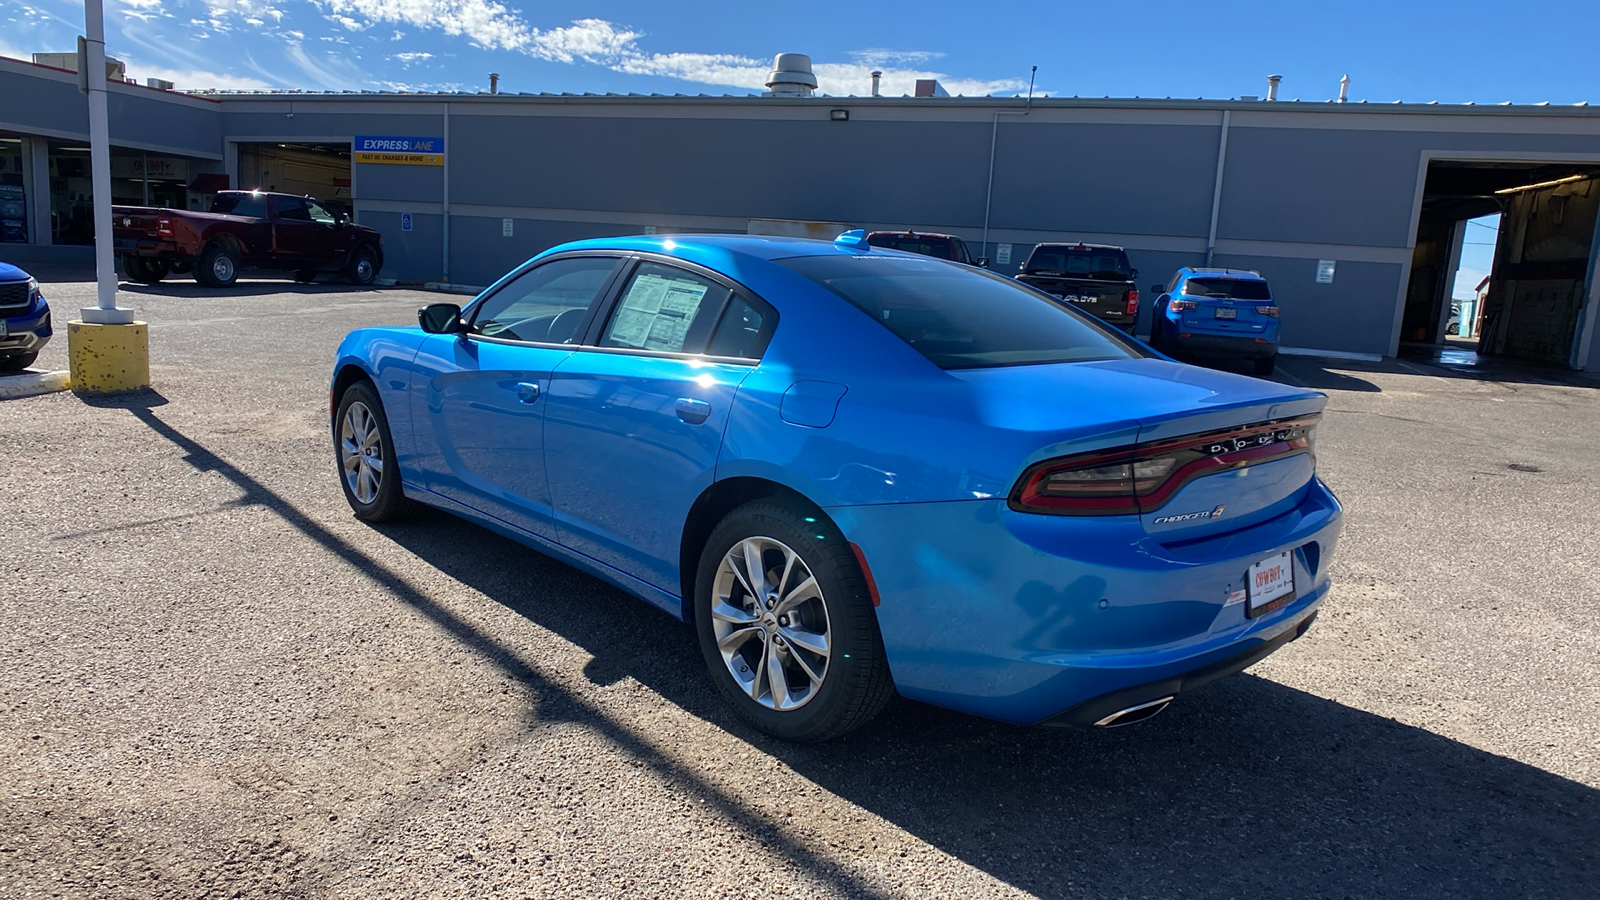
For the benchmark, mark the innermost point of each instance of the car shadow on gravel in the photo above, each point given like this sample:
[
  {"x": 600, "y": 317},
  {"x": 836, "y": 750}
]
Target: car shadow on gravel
[{"x": 1248, "y": 788}]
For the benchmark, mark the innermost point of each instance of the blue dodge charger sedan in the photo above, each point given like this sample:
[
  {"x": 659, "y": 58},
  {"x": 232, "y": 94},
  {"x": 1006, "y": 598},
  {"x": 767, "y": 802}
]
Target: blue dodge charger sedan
[{"x": 857, "y": 471}]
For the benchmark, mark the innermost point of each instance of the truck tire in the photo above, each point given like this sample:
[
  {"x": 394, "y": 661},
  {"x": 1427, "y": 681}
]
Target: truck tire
[
  {"x": 218, "y": 266},
  {"x": 144, "y": 269},
  {"x": 363, "y": 267}
]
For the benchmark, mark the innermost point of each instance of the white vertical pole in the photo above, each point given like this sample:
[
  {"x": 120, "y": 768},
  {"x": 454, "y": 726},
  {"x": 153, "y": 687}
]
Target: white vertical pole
[{"x": 106, "y": 312}]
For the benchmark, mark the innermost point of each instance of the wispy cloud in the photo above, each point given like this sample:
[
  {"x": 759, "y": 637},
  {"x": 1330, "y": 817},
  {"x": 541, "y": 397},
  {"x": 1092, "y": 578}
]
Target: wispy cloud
[{"x": 878, "y": 57}]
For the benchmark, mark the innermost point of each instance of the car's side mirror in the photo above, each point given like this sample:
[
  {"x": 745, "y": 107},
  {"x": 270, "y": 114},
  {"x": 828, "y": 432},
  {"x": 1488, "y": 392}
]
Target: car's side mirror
[
  {"x": 440, "y": 318},
  {"x": 983, "y": 262},
  {"x": 1158, "y": 289},
  {"x": 341, "y": 220}
]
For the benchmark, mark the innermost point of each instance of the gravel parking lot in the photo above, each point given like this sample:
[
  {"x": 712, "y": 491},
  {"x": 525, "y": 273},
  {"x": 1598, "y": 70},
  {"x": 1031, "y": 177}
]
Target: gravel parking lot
[{"x": 219, "y": 683}]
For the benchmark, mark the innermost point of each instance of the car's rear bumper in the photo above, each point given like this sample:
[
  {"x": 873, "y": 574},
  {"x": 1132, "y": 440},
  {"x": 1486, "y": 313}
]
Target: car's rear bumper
[
  {"x": 1252, "y": 347},
  {"x": 1025, "y": 617},
  {"x": 137, "y": 247}
]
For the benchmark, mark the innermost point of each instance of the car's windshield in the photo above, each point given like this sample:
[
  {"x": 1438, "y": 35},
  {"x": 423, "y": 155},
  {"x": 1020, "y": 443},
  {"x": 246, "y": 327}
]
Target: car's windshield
[
  {"x": 1227, "y": 288},
  {"x": 1095, "y": 263},
  {"x": 240, "y": 204},
  {"x": 961, "y": 318},
  {"x": 923, "y": 246}
]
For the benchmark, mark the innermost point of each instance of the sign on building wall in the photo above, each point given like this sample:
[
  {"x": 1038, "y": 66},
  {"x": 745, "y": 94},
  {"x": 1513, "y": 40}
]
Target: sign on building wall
[
  {"x": 1002, "y": 254},
  {"x": 505, "y": 227},
  {"x": 398, "y": 151},
  {"x": 1325, "y": 271},
  {"x": 405, "y": 221},
  {"x": 163, "y": 167}
]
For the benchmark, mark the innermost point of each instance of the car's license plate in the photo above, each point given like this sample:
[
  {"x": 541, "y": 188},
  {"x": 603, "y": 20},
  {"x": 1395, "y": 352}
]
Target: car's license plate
[
  {"x": 1269, "y": 584},
  {"x": 1226, "y": 313}
]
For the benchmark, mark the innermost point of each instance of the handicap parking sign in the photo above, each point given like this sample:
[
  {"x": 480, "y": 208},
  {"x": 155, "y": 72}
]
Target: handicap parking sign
[{"x": 405, "y": 221}]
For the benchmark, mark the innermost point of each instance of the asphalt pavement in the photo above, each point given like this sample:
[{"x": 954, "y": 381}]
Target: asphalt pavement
[{"x": 216, "y": 682}]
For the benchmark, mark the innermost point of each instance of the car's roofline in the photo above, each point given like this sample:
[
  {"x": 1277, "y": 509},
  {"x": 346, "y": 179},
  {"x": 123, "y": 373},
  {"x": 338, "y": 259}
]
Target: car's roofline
[
  {"x": 1079, "y": 245},
  {"x": 756, "y": 246},
  {"x": 1236, "y": 274}
]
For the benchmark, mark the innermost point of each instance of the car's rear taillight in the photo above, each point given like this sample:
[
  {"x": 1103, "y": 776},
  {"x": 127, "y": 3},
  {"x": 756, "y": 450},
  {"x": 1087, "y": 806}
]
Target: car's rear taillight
[
  {"x": 1185, "y": 304},
  {"x": 164, "y": 226},
  {"x": 1141, "y": 478},
  {"x": 1133, "y": 302},
  {"x": 1271, "y": 311}
]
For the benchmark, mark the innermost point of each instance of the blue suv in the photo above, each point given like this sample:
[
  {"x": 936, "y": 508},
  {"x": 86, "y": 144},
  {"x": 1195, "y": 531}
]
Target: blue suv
[
  {"x": 1217, "y": 312},
  {"x": 24, "y": 319}
]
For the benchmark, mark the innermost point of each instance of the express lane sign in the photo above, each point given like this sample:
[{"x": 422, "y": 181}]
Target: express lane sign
[{"x": 401, "y": 151}]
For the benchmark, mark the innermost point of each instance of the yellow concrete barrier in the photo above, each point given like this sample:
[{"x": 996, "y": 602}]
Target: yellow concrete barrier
[{"x": 108, "y": 359}]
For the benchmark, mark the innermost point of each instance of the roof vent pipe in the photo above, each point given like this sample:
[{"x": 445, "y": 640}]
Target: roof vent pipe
[
  {"x": 876, "y": 77},
  {"x": 1272, "y": 86},
  {"x": 791, "y": 76},
  {"x": 1344, "y": 89},
  {"x": 494, "y": 82}
]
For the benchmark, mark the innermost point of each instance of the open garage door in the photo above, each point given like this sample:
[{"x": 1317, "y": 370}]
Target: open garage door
[
  {"x": 1538, "y": 286},
  {"x": 320, "y": 170}
]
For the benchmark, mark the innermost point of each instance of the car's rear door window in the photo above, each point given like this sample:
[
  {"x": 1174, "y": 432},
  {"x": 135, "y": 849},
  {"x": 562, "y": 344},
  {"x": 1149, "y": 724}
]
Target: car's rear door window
[
  {"x": 939, "y": 249},
  {"x": 959, "y": 317},
  {"x": 743, "y": 331},
  {"x": 1227, "y": 288},
  {"x": 545, "y": 304},
  {"x": 665, "y": 309}
]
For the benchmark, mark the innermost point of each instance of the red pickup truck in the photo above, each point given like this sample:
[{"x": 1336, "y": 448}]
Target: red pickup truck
[{"x": 244, "y": 230}]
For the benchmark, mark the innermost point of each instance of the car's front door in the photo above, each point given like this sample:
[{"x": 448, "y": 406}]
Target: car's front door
[
  {"x": 482, "y": 394},
  {"x": 307, "y": 236},
  {"x": 634, "y": 422}
]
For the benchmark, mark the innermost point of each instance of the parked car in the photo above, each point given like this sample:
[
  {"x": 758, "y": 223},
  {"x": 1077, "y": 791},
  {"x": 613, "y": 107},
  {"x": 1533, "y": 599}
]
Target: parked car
[
  {"x": 1095, "y": 277},
  {"x": 24, "y": 319},
  {"x": 927, "y": 243},
  {"x": 1219, "y": 313},
  {"x": 915, "y": 509},
  {"x": 245, "y": 230}
]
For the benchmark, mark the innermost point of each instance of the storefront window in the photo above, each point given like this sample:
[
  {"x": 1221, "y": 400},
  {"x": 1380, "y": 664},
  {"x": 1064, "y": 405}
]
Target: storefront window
[
  {"x": 71, "y": 197},
  {"x": 137, "y": 179},
  {"x": 13, "y": 195}
]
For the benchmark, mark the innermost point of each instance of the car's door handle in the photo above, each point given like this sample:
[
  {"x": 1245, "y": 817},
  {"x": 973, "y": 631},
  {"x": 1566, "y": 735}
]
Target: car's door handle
[
  {"x": 527, "y": 392},
  {"x": 693, "y": 411}
]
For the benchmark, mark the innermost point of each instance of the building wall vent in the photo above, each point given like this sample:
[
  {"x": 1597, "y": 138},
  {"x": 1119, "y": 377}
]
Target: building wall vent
[
  {"x": 159, "y": 84},
  {"x": 791, "y": 76}
]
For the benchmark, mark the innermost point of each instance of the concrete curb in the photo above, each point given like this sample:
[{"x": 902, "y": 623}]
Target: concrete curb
[
  {"x": 452, "y": 288},
  {"x": 31, "y": 384}
]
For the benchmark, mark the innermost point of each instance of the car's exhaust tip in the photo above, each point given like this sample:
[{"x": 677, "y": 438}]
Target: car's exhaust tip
[{"x": 1134, "y": 713}]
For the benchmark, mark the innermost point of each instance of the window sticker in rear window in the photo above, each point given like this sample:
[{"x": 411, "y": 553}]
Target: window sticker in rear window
[{"x": 656, "y": 312}]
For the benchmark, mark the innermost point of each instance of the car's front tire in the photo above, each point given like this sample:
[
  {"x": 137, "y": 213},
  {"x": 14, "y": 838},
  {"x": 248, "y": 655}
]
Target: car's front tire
[
  {"x": 16, "y": 362},
  {"x": 363, "y": 267},
  {"x": 786, "y": 623},
  {"x": 366, "y": 457}
]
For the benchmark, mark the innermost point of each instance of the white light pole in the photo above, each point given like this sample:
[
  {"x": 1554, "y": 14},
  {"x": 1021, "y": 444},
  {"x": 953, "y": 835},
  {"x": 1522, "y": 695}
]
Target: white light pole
[{"x": 106, "y": 311}]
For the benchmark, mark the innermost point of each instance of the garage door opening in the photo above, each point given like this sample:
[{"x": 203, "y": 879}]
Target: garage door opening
[
  {"x": 320, "y": 170},
  {"x": 1527, "y": 231}
]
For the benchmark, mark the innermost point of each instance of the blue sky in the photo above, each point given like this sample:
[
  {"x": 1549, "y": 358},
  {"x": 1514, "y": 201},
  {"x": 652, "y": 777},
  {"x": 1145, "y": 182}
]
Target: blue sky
[{"x": 1416, "y": 51}]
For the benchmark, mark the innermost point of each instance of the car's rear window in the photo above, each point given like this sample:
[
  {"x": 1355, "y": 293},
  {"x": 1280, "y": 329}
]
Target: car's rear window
[
  {"x": 253, "y": 205},
  {"x": 1095, "y": 263},
  {"x": 1227, "y": 288},
  {"x": 961, "y": 318},
  {"x": 923, "y": 246}
]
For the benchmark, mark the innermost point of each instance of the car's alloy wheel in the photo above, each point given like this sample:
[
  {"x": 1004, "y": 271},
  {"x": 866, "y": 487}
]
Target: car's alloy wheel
[
  {"x": 222, "y": 268},
  {"x": 361, "y": 452},
  {"x": 771, "y": 623},
  {"x": 786, "y": 622},
  {"x": 364, "y": 448},
  {"x": 363, "y": 268}
]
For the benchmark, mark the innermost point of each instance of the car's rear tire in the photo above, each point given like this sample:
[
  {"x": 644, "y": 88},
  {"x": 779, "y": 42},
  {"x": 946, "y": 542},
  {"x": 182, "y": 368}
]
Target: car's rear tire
[
  {"x": 365, "y": 453},
  {"x": 218, "y": 266},
  {"x": 16, "y": 362},
  {"x": 812, "y": 627},
  {"x": 1266, "y": 365},
  {"x": 363, "y": 267},
  {"x": 144, "y": 269},
  {"x": 1157, "y": 315}
]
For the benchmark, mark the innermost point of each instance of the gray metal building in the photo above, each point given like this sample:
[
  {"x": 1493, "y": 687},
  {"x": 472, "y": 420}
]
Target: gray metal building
[{"x": 1382, "y": 192}]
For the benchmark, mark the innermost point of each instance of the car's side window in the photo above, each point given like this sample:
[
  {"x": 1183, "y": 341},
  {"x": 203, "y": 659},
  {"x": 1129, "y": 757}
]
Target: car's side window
[
  {"x": 665, "y": 310},
  {"x": 318, "y": 214},
  {"x": 546, "y": 304},
  {"x": 293, "y": 209},
  {"x": 742, "y": 332},
  {"x": 962, "y": 255}
]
